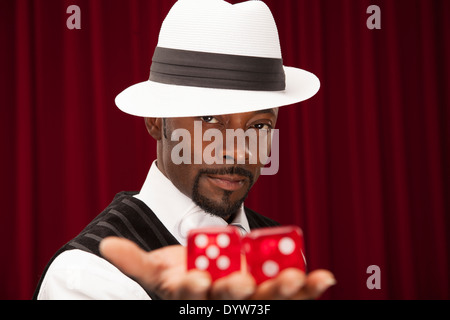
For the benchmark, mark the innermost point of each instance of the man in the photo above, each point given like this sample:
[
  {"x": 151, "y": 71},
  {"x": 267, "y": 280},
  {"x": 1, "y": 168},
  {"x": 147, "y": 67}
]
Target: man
[{"x": 217, "y": 68}]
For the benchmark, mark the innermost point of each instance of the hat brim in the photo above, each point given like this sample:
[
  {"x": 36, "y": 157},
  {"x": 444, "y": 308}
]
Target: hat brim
[{"x": 153, "y": 99}]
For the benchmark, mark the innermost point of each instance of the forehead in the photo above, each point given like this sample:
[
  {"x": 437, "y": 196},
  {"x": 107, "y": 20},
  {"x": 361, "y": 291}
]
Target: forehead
[{"x": 273, "y": 111}]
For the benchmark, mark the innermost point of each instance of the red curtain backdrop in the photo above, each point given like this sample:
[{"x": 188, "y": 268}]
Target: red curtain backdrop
[{"x": 364, "y": 165}]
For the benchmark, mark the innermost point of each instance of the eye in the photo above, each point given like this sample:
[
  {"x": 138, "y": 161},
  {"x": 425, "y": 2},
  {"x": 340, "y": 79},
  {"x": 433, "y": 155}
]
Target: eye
[
  {"x": 262, "y": 126},
  {"x": 209, "y": 119}
]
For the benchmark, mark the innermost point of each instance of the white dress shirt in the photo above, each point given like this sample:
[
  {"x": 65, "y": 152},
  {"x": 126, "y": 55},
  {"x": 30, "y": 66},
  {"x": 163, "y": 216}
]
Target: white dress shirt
[{"x": 77, "y": 274}]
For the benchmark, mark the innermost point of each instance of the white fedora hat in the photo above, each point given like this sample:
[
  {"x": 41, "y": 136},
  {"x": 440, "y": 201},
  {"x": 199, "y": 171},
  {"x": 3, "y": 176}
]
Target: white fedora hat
[{"x": 215, "y": 58}]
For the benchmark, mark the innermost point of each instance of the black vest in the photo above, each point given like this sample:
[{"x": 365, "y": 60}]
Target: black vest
[{"x": 130, "y": 218}]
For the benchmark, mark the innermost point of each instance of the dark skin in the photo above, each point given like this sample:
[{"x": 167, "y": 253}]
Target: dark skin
[
  {"x": 213, "y": 184},
  {"x": 164, "y": 270}
]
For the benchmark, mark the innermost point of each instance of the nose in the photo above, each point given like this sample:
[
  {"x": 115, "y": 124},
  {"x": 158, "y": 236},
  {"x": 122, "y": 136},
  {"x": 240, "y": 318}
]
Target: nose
[{"x": 236, "y": 151}]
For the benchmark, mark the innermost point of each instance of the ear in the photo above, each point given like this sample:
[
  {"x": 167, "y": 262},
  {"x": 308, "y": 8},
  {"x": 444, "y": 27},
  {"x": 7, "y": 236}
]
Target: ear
[{"x": 154, "y": 127}]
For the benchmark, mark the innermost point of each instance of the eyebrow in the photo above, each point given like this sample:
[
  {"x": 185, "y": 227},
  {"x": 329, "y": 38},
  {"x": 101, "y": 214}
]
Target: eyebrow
[{"x": 272, "y": 111}]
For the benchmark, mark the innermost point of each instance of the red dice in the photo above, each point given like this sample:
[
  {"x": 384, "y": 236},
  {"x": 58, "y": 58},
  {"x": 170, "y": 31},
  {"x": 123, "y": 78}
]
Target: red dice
[
  {"x": 215, "y": 249},
  {"x": 270, "y": 250},
  {"x": 267, "y": 251}
]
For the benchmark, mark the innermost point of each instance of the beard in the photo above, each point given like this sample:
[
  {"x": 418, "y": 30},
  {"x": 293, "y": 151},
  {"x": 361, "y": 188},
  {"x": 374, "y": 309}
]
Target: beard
[{"x": 225, "y": 208}]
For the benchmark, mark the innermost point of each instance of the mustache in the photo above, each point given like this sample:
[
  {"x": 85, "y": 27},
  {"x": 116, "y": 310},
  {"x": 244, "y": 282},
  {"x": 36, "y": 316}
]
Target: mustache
[
  {"x": 225, "y": 208},
  {"x": 228, "y": 170}
]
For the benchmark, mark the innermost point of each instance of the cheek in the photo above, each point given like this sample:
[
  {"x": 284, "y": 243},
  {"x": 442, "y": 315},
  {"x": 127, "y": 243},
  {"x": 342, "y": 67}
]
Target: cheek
[
  {"x": 182, "y": 176},
  {"x": 256, "y": 173},
  {"x": 264, "y": 147}
]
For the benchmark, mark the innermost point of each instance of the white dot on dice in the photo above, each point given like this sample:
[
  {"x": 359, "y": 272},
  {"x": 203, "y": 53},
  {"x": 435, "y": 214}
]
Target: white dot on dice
[
  {"x": 223, "y": 262},
  {"x": 201, "y": 240},
  {"x": 223, "y": 240},
  {"x": 212, "y": 252},
  {"x": 202, "y": 263},
  {"x": 286, "y": 245},
  {"x": 270, "y": 268}
]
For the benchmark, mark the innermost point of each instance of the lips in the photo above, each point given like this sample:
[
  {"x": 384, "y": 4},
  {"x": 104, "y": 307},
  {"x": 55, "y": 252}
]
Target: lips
[{"x": 230, "y": 182}]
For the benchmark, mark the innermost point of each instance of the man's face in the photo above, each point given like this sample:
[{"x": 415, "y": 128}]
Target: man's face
[{"x": 221, "y": 187}]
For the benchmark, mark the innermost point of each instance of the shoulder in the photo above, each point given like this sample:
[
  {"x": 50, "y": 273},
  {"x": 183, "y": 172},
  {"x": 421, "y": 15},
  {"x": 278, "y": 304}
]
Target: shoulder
[
  {"x": 257, "y": 220},
  {"x": 126, "y": 217},
  {"x": 76, "y": 274}
]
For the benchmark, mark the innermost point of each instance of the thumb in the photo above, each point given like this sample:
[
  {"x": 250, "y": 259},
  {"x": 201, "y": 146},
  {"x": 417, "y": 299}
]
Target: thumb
[
  {"x": 162, "y": 271},
  {"x": 125, "y": 255}
]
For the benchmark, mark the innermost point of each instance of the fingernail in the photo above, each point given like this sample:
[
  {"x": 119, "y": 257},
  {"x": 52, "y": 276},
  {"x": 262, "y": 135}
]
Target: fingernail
[
  {"x": 203, "y": 282},
  {"x": 326, "y": 284},
  {"x": 241, "y": 292}
]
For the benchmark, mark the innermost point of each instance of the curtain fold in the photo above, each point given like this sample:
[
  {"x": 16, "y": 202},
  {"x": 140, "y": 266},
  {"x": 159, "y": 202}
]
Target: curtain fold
[{"x": 364, "y": 165}]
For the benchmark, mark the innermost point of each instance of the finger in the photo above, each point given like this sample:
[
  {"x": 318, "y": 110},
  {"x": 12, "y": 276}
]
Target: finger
[
  {"x": 236, "y": 286},
  {"x": 286, "y": 285},
  {"x": 195, "y": 285},
  {"x": 316, "y": 283},
  {"x": 151, "y": 269}
]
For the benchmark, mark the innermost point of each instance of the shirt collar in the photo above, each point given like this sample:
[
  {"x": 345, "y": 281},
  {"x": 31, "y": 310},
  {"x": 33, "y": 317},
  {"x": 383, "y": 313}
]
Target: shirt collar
[{"x": 175, "y": 210}]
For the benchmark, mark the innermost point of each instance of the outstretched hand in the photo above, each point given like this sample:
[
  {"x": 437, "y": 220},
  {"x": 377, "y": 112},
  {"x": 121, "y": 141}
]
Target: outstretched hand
[{"x": 164, "y": 272}]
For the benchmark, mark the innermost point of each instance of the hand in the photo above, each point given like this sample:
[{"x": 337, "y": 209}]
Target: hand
[{"x": 163, "y": 271}]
